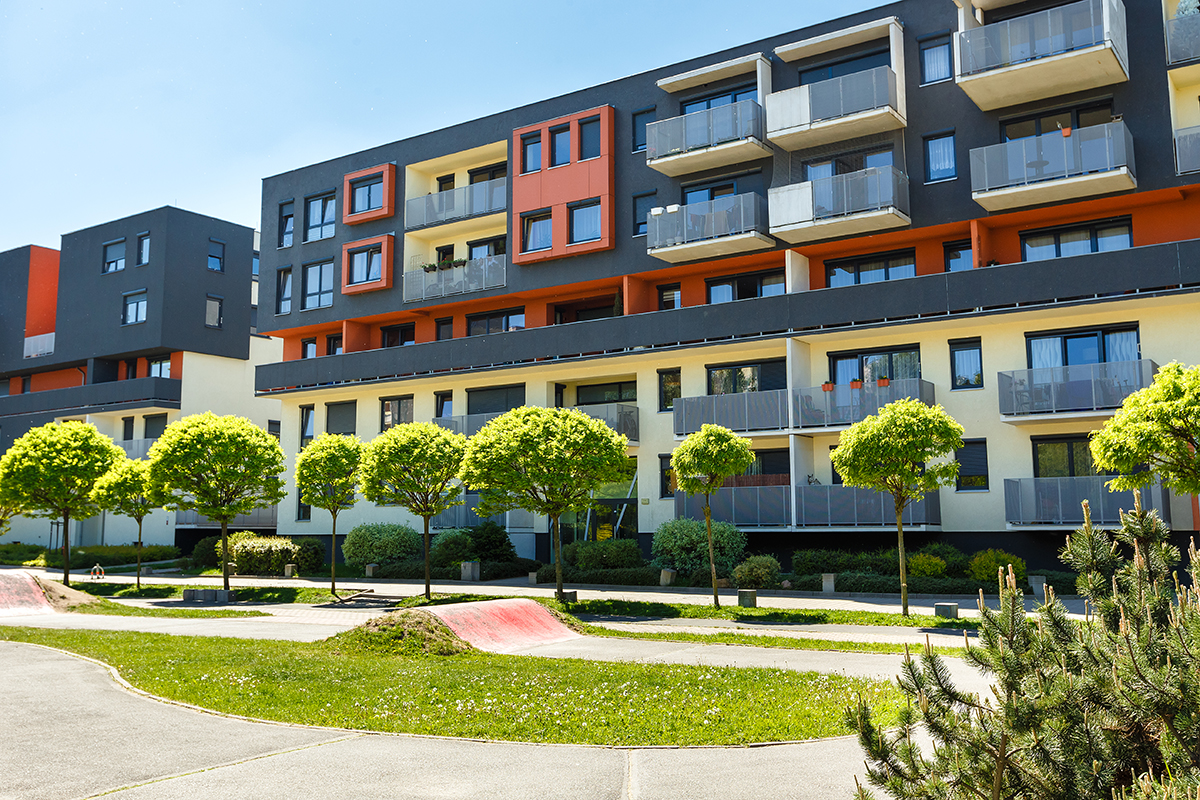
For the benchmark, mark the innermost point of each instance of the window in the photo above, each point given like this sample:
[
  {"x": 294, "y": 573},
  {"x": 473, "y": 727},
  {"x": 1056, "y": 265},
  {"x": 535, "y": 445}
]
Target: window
[
  {"x": 134, "y": 309},
  {"x": 589, "y": 138},
  {"x": 487, "y": 248},
  {"x": 742, "y": 287},
  {"x": 717, "y": 100},
  {"x": 935, "y": 60},
  {"x": 160, "y": 368},
  {"x": 366, "y": 265},
  {"x": 669, "y": 297},
  {"x": 585, "y": 222},
  {"x": 114, "y": 256},
  {"x": 126, "y": 428},
  {"x": 939, "y": 158},
  {"x": 143, "y": 249},
  {"x": 366, "y": 195},
  {"x": 444, "y": 404},
  {"x": 1050, "y": 122},
  {"x": 26, "y": 384},
  {"x": 972, "y": 466},
  {"x": 1062, "y": 457},
  {"x": 214, "y": 311},
  {"x": 318, "y": 286},
  {"x": 444, "y": 329},
  {"x": 640, "y": 120},
  {"x": 531, "y": 152},
  {"x": 763, "y": 376},
  {"x": 1080, "y": 347},
  {"x": 319, "y": 214},
  {"x": 303, "y": 511},
  {"x": 496, "y": 322},
  {"x": 340, "y": 417},
  {"x": 966, "y": 364},
  {"x": 395, "y": 411},
  {"x": 958, "y": 256},
  {"x": 308, "y": 348},
  {"x": 283, "y": 291},
  {"x": 536, "y": 233},
  {"x": 216, "y": 255},
  {"x": 669, "y": 388},
  {"x": 871, "y": 269},
  {"x": 287, "y": 223},
  {"x": 254, "y": 265},
  {"x": 824, "y": 194},
  {"x": 614, "y": 392},
  {"x": 897, "y": 364},
  {"x": 666, "y": 482},
  {"x": 333, "y": 345},
  {"x": 398, "y": 335},
  {"x": 642, "y": 203},
  {"x": 274, "y": 428},
  {"x": 560, "y": 146},
  {"x": 131, "y": 368},
  {"x": 254, "y": 319},
  {"x": 307, "y": 422},
  {"x": 1096, "y": 237},
  {"x": 495, "y": 399},
  {"x": 153, "y": 425},
  {"x": 849, "y": 66}
]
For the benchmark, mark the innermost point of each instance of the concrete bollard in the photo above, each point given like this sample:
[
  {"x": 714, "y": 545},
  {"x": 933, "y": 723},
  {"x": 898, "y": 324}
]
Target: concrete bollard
[
  {"x": 370, "y": 570},
  {"x": 570, "y": 597},
  {"x": 189, "y": 595},
  {"x": 666, "y": 577},
  {"x": 470, "y": 570},
  {"x": 207, "y": 595},
  {"x": 948, "y": 610},
  {"x": 748, "y": 598},
  {"x": 289, "y": 570},
  {"x": 533, "y": 579},
  {"x": 1038, "y": 584},
  {"x": 828, "y": 582}
]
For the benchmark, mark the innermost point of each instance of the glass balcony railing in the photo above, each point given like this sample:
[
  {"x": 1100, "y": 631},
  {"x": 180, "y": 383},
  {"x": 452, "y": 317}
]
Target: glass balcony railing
[
  {"x": 621, "y": 417},
  {"x": 475, "y": 275},
  {"x": 1045, "y": 33},
  {"x": 852, "y": 94},
  {"x": 258, "y": 518},
  {"x": 1187, "y": 148},
  {"x": 1183, "y": 39},
  {"x": 136, "y": 448},
  {"x": 842, "y": 404},
  {"x": 1058, "y": 501},
  {"x": 1052, "y": 156},
  {"x": 858, "y": 192},
  {"x": 711, "y": 219},
  {"x": 1085, "y": 387},
  {"x": 743, "y": 506},
  {"x": 700, "y": 129},
  {"x": 466, "y": 424},
  {"x": 486, "y": 197},
  {"x": 836, "y": 506},
  {"x": 744, "y": 411}
]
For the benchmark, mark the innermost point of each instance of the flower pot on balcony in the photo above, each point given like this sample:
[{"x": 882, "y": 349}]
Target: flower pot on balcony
[
  {"x": 827, "y": 386},
  {"x": 855, "y": 384},
  {"x": 883, "y": 382},
  {"x": 430, "y": 267}
]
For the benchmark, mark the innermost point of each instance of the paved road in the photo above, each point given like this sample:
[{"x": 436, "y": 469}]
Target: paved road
[{"x": 70, "y": 731}]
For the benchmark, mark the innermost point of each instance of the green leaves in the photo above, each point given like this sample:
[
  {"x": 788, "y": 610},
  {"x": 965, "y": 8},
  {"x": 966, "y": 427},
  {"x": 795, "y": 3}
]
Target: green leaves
[
  {"x": 126, "y": 490},
  {"x": 327, "y": 471},
  {"x": 413, "y": 466},
  {"x": 51, "y": 470},
  {"x": 707, "y": 457}
]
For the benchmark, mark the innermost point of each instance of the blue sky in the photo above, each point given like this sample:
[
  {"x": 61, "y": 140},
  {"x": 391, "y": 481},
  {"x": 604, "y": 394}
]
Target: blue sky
[{"x": 112, "y": 108}]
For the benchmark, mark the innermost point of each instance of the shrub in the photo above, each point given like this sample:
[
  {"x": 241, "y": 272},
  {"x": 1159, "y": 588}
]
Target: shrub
[
  {"x": 638, "y": 576},
  {"x": 311, "y": 555},
  {"x": 17, "y": 553},
  {"x": 986, "y": 564},
  {"x": 451, "y": 547},
  {"x": 609, "y": 554},
  {"x": 111, "y": 555},
  {"x": 380, "y": 542},
  {"x": 682, "y": 545},
  {"x": 1063, "y": 582},
  {"x": 757, "y": 572},
  {"x": 204, "y": 554},
  {"x": 499, "y": 570},
  {"x": 491, "y": 542},
  {"x": 924, "y": 565},
  {"x": 878, "y": 562},
  {"x": 414, "y": 569},
  {"x": 263, "y": 555},
  {"x": 956, "y": 560},
  {"x": 570, "y": 554}
]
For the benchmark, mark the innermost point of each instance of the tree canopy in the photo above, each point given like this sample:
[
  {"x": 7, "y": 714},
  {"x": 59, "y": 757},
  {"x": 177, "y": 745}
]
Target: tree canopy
[
  {"x": 50, "y": 472},
  {"x": 327, "y": 471},
  {"x": 126, "y": 490}
]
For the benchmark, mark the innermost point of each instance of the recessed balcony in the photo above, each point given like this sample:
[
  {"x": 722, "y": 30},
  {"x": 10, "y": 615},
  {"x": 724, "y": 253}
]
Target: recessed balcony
[
  {"x": 474, "y": 275},
  {"x": 849, "y": 507},
  {"x": 847, "y": 107},
  {"x": 258, "y": 518},
  {"x": 1072, "y": 48},
  {"x": 1187, "y": 150},
  {"x": 743, "y": 412},
  {"x": 744, "y": 506},
  {"x": 621, "y": 417},
  {"x": 715, "y": 137},
  {"x": 720, "y": 227},
  {"x": 1048, "y": 394},
  {"x": 1058, "y": 502},
  {"x": 1054, "y": 167},
  {"x": 454, "y": 205},
  {"x": 136, "y": 448},
  {"x": 1183, "y": 39},
  {"x": 836, "y": 406},
  {"x": 866, "y": 201}
]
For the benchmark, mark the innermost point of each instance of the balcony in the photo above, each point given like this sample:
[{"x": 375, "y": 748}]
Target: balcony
[
  {"x": 466, "y": 424},
  {"x": 465, "y": 202},
  {"x": 1054, "y": 167},
  {"x": 715, "y": 137},
  {"x": 621, "y": 417},
  {"x": 860, "y": 104},
  {"x": 112, "y": 395},
  {"x": 258, "y": 518},
  {"x": 867, "y": 201},
  {"x": 721, "y": 227},
  {"x": 136, "y": 448},
  {"x": 836, "y": 506},
  {"x": 1072, "y": 48},
  {"x": 743, "y": 412},
  {"x": 844, "y": 405},
  {"x": 1187, "y": 149},
  {"x": 476, "y": 275},
  {"x": 1047, "y": 502},
  {"x": 743, "y": 506},
  {"x": 1087, "y": 390},
  {"x": 1183, "y": 39}
]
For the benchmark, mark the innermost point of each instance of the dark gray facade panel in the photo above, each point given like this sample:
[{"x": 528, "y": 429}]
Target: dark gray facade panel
[{"x": 14, "y": 277}]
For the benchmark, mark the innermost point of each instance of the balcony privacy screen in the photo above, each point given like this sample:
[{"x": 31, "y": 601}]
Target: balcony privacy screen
[
  {"x": 1058, "y": 501},
  {"x": 852, "y": 94},
  {"x": 868, "y": 189},
  {"x": 1084, "y": 387}
]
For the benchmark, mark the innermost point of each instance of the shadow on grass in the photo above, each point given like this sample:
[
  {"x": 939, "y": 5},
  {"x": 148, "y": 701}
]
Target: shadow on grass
[{"x": 149, "y": 591}]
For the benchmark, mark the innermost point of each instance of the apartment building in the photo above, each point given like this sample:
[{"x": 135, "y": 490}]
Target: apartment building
[
  {"x": 133, "y": 324},
  {"x": 930, "y": 199}
]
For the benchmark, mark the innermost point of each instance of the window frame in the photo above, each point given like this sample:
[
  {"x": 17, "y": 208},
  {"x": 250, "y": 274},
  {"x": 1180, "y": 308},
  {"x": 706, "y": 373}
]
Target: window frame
[
  {"x": 306, "y": 346},
  {"x": 505, "y": 315},
  {"x": 327, "y": 230},
  {"x": 442, "y": 324},
  {"x": 400, "y": 398},
  {"x": 143, "y": 250},
  {"x": 666, "y": 477},
  {"x": 153, "y": 364},
  {"x": 287, "y": 224},
  {"x": 652, "y": 113},
  {"x": 962, "y": 345},
  {"x": 527, "y": 221},
  {"x": 556, "y": 132},
  {"x": 960, "y": 246},
  {"x": 440, "y": 401},
  {"x": 369, "y": 251},
  {"x": 958, "y": 456},
  {"x": 220, "y": 301},
  {"x": 138, "y": 299},
  {"x": 305, "y": 294},
  {"x": 1092, "y": 226},
  {"x": 528, "y": 141},
  {"x": 1100, "y": 332},
  {"x": 926, "y": 141},
  {"x": 280, "y": 298},
  {"x": 663, "y": 405},
  {"x": 115, "y": 264},
  {"x": 598, "y": 128},
  {"x": 641, "y": 225},
  {"x": 676, "y": 288},
  {"x": 400, "y": 329},
  {"x": 582, "y": 206},
  {"x": 928, "y": 43},
  {"x": 736, "y": 279},
  {"x": 216, "y": 258},
  {"x": 334, "y": 344},
  {"x": 366, "y": 182},
  {"x": 858, "y": 261},
  {"x": 840, "y": 355},
  {"x": 621, "y": 386}
]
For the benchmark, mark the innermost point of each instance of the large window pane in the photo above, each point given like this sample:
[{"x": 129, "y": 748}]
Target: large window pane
[
  {"x": 872, "y": 272},
  {"x": 1121, "y": 346},
  {"x": 1117, "y": 237},
  {"x": 1075, "y": 243},
  {"x": 1040, "y": 247}
]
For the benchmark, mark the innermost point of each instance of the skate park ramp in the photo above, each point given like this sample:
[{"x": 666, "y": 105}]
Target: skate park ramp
[
  {"x": 20, "y": 595},
  {"x": 503, "y": 626}
]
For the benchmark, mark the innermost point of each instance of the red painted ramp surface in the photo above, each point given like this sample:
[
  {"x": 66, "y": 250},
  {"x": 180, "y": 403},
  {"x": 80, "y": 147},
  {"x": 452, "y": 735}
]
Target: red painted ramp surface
[
  {"x": 20, "y": 595},
  {"x": 502, "y": 626}
]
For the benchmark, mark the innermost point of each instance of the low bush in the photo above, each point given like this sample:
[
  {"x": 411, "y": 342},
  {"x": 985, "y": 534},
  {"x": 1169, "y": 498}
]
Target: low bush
[
  {"x": 491, "y": 542},
  {"x": 924, "y": 565},
  {"x": 204, "y": 554},
  {"x": 379, "y": 543},
  {"x": 451, "y": 547},
  {"x": 499, "y": 570},
  {"x": 263, "y": 555},
  {"x": 609, "y": 554},
  {"x": 682, "y": 545},
  {"x": 956, "y": 560},
  {"x": 414, "y": 569},
  {"x": 637, "y": 576},
  {"x": 311, "y": 555},
  {"x": 1063, "y": 582},
  {"x": 879, "y": 562},
  {"x": 17, "y": 554},
  {"x": 110, "y": 555},
  {"x": 570, "y": 554},
  {"x": 757, "y": 572},
  {"x": 986, "y": 564},
  {"x": 890, "y": 584}
]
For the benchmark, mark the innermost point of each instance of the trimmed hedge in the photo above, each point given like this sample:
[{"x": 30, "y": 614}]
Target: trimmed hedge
[
  {"x": 635, "y": 576},
  {"x": 756, "y": 572},
  {"x": 311, "y": 555},
  {"x": 682, "y": 545},
  {"x": 380, "y": 542},
  {"x": 890, "y": 584},
  {"x": 17, "y": 554},
  {"x": 414, "y": 569},
  {"x": 264, "y": 555},
  {"x": 109, "y": 555},
  {"x": 609, "y": 554}
]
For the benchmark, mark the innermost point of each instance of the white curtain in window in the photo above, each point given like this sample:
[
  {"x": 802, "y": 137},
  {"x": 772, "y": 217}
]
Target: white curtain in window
[
  {"x": 1045, "y": 353},
  {"x": 1120, "y": 346},
  {"x": 935, "y": 64},
  {"x": 940, "y": 153}
]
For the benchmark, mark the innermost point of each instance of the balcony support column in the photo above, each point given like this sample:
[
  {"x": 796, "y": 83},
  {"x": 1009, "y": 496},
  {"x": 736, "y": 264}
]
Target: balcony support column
[
  {"x": 803, "y": 464},
  {"x": 896, "y": 54},
  {"x": 799, "y": 367},
  {"x": 762, "y": 73},
  {"x": 795, "y": 272}
]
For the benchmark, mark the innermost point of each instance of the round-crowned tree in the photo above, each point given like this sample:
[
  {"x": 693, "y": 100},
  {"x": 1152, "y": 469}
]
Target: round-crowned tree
[{"x": 327, "y": 477}]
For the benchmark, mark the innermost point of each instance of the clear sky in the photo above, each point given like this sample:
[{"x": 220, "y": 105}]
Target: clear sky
[{"x": 112, "y": 108}]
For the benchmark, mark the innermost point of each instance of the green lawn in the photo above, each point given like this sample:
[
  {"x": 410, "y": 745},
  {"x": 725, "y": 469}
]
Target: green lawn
[
  {"x": 754, "y": 640},
  {"x": 108, "y": 607},
  {"x": 479, "y": 695},
  {"x": 251, "y": 594}
]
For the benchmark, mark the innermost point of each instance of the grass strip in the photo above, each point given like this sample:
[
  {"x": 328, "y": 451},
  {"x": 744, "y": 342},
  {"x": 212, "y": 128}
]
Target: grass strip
[
  {"x": 312, "y": 595},
  {"x": 754, "y": 640},
  {"x": 109, "y": 608},
  {"x": 480, "y": 695}
]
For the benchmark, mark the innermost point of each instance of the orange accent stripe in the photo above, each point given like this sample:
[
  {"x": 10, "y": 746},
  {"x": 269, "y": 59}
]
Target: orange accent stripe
[{"x": 41, "y": 301}]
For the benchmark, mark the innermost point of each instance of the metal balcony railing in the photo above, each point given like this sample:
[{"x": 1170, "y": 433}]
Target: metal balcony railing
[
  {"x": 1044, "y": 33},
  {"x": 1052, "y": 156},
  {"x": 868, "y": 189},
  {"x": 621, "y": 417},
  {"x": 850, "y": 507},
  {"x": 744, "y": 411},
  {"x": 466, "y": 424},
  {"x": 1057, "y": 501},
  {"x": 486, "y": 197},
  {"x": 743, "y": 506},
  {"x": 845, "y": 405},
  {"x": 136, "y": 448},
  {"x": 711, "y": 219},
  {"x": 258, "y": 518},
  {"x": 40, "y": 345},
  {"x": 852, "y": 94},
  {"x": 1183, "y": 39},
  {"x": 700, "y": 129},
  {"x": 1187, "y": 147},
  {"x": 1086, "y": 387},
  {"x": 476, "y": 275}
]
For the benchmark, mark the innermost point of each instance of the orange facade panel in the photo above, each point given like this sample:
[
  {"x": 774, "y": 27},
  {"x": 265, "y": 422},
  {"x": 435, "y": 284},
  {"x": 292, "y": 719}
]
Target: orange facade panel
[
  {"x": 363, "y": 180},
  {"x": 366, "y": 251},
  {"x": 57, "y": 379},
  {"x": 41, "y": 300}
]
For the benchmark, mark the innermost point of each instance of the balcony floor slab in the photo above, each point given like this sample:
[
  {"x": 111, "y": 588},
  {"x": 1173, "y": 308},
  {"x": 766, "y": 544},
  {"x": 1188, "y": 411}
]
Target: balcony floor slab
[
  {"x": 849, "y": 225},
  {"x": 1056, "y": 191},
  {"x": 709, "y": 248},
  {"x": 721, "y": 155},
  {"x": 1042, "y": 78},
  {"x": 839, "y": 129},
  {"x": 1053, "y": 417}
]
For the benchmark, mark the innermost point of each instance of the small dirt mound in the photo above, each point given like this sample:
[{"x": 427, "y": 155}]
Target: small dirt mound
[
  {"x": 64, "y": 598},
  {"x": 408, "y": 632}
]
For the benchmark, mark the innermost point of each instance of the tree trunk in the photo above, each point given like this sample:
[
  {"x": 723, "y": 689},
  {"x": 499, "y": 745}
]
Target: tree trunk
[
  {"x": 427, "y": 594},
  {"x": 903, "y": 568},
  {"x": 712, "y": 559},
  {"x": 333, "y": 559},
  {"x": 139, "y": 558},
  {"x": 66, "y": 548},
  {"x": 558, "y": 588},
  {"x": 225, "y": 552}
]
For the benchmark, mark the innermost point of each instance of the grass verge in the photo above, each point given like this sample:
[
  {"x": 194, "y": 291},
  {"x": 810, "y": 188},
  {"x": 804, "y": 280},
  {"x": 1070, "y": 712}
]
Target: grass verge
[
  {"x": 252, "y": 594},
  {"x": 754, "y": 640},
  {"x": 109, "y": 608},
  {"x": 340, "y": 683}
]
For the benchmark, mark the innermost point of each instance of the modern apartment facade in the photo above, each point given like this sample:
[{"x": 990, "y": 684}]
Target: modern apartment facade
[
  {"x": 133, "y": 324},
  {"x": 990, "y": 206}
]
